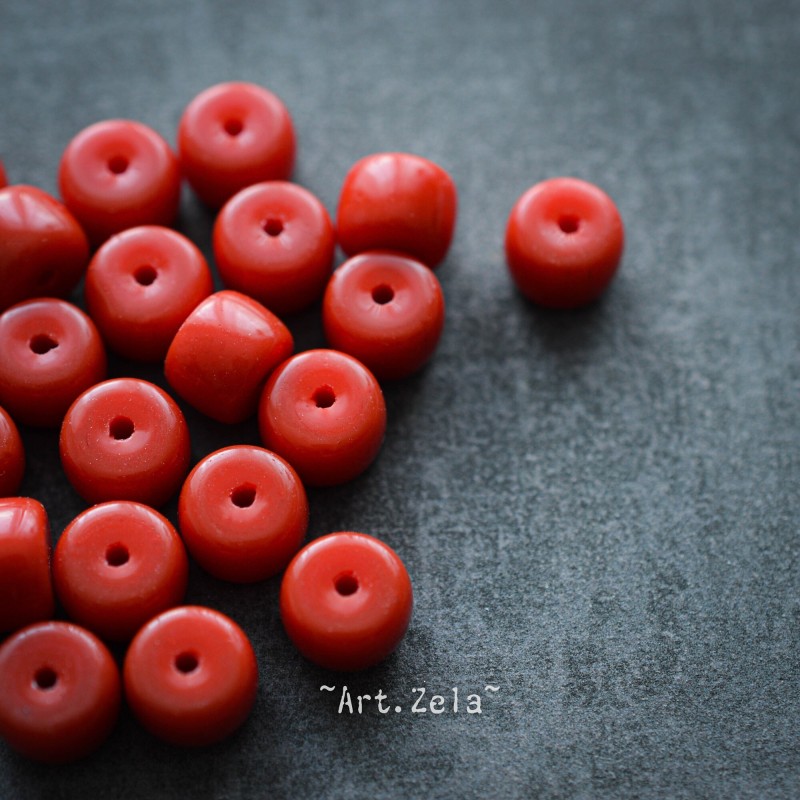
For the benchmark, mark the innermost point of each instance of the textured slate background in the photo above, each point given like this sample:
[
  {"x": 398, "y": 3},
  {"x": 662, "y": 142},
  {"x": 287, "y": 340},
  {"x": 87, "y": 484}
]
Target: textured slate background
[{"x": 599, "y": 510}]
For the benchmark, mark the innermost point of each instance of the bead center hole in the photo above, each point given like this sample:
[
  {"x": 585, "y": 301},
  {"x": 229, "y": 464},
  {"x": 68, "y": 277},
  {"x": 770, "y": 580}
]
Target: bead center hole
[
  {"x": 324, "y": 397},
  {"x": 45, "y": 678},
  {"x": 121, "y": 428},
  {"x": 273, "y": 227},
  {"x": 118, "y": 164},
  {"x": 186, "y": 662},
  {"x": 233, "y": 126},
  {"x": 346, "y": 584},
  {"x": 383, "y": 294},
  {"x": 244, "y": 496},
  {"x": 117, "y": 554},
  {"x": 569, "y": 223},
  {"x": 42, "y": 343},
  {"x": 145, "y": 275}
]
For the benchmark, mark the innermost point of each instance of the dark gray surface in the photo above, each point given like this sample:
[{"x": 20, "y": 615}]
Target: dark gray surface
[{"x": 598, "y": 509}]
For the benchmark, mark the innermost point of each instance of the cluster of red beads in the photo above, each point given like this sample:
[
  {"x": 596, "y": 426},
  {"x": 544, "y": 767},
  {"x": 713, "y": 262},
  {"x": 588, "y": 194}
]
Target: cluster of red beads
[{"x": 120, "y": 568}]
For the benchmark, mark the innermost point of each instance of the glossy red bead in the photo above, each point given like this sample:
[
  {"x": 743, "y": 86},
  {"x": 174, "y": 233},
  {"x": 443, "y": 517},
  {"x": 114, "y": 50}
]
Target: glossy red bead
[
  {"x": 223, "y": 353},
  {"x": 397, "y": 201},
  {"x": 43, "y": 249},
  {"x": 346, "y": 601},
  {"x": 191, "y": 676},
  {"x": 243, "y": 513},
  {"x": 233, "y": 135},
  {"x": 140, "y": 287},
  {"x": 564, "y": 242},
  {"x": 385, "y": 309},
  {"x": 26, "y": 592},
  {"x": 60, "y": 692},
  {"x": 12, "y": 456},
  {"x": 51, "y": 353},
  {"x": 118, "y": 174},
  {"x": 275, "y": 242},
  {"x": 125, "y": 439},
  {"x": 324, "y": 412},
  {"x": 116, "y": 566}
]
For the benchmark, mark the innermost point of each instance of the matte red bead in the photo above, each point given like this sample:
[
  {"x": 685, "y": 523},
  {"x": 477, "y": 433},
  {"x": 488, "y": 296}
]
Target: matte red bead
[
  {"x": 60, "y": 692},
  {"x": 346, "y": 601},
  {"x": 117, "y": 565},
  {"x": 125, "y": 439},
  {"x": 26, "y": 592},
  {"x": 51, "y": 353},
  {"x": 223, "y": 353}
]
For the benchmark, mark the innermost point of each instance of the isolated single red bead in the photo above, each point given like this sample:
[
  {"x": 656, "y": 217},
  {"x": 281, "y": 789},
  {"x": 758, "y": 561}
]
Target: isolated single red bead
[
  {"x": 275, "y": 242},
  {"x": 26, "y": 592},
  {"x": 140, "y": 287},
  {"x": 191, "y": 676},
  {"x": 564, "y": 242},
  {"x": 60, "y": 692},
  {"x": 116, "y": 566},
  {"x": 346, "y": 601},
  {"x": 118, "y": 174},
  {"x": 222, "y": 354},
  {"x": 125, "y": 439},
  {"x": 43, "y": 249},
  {"x": 51, "y": 353},
  {"x": 12, "y": 456},
  {"x": 385, "y": 309},
  {"x": 324, "y": 412},
  {"x": 233, "y": 135},
  {"x": 397, "y": 201}
]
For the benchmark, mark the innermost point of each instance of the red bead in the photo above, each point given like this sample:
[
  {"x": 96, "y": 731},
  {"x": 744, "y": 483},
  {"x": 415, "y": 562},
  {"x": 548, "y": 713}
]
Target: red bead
[
  {"x": 51, "y": 353},
  {"x": 26, "y": 592},
  {"x": 564, "y": 242},
  {"x": 3, "y": 176},
  {"x": 43, "y": 249},
  {"x": 275, "y": 242},
  {"x": 59, "y": 692},
  {"x": 385, "y": 309},
  {"x": 397, "y": 201},
  {"x": 231, "y": 136},
  {"x": 125, "y": 439},
  {"x": 324, "y": 412},
  {"x": 243, "y": 513},
  {"x": 118, "y": 174},
  {"x": 116, "y": 566},
  {"x": 191, "y": 676},
  {"x": 222, "y": 354},
  {"x": 346, "y": 601},
  {"x": 140, "y": 287},
  {"x": 12, "y": 456}
]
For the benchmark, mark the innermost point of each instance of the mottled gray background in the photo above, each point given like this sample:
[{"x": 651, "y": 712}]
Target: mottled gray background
[{"x": 599, "y": 510}]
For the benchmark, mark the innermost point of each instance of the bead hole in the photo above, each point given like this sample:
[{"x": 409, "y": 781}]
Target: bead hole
[
  {"x": 145, "y": 275},
  {"x": 233, "y": 126},
  {"x": 42, "y": 343},
  {"x": 244, "y": 496},
  {"x": 383, "y": 294},
  {"x": 117, "y": 554},
  {"x": 45, "y": 678},
  {"x": 273, "y": 227},
  {"x": 118, "y": 164},
  {"x": 569, "y": 223},
  {"x": 121, "y": 428},
  {"x": 324, "y": 397},
  {"x": 346, "y": 584},
  {"x": 186, "y": 662}
]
